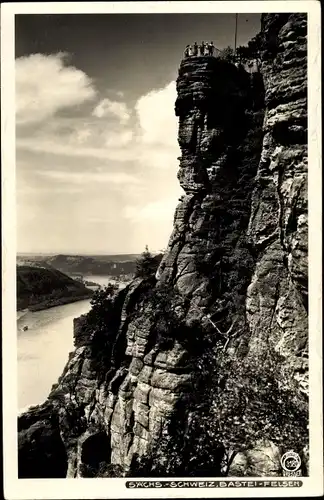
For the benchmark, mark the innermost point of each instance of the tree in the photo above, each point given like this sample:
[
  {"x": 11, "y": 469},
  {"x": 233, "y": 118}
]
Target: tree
[
  {"x": 227, "y": 54},
  {"x": 146, "y": 264},
  {"x": 242, "y": 54},
  {"x": 101, "y": 302},
  {"x": 251, "y": 51}
]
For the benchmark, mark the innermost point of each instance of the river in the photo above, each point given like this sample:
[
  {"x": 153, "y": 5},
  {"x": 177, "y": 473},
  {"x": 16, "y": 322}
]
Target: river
[{"x": 43, "y": 349}]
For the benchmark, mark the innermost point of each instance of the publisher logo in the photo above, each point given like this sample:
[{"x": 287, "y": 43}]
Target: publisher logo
[{"x": 290, "y": 462}]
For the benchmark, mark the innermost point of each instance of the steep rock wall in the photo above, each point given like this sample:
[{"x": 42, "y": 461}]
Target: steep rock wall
[
  {"x": 277, "y": 299},
  {"x": 236, "y": 257}
]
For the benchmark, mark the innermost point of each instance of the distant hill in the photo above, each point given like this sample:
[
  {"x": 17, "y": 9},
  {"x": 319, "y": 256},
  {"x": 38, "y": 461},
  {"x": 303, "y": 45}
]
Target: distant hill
[
  {"x": 91, "y": 265},
  {"x": 88, "y": 265},
  {"x": 127, "y": 257},
  {"x": 32, "y": 261},
  {"x": 105, "y": 257},
  {"x": 110, "y": 265},
  {"x": 40, "y": 286}
]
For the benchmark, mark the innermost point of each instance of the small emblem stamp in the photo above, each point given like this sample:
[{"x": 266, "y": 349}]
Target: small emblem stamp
[{"x": 291, "y": 463}]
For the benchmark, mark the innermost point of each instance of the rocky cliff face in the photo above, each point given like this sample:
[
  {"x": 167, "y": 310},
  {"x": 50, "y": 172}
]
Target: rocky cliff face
[
  {"x": 234, "y": 276},
  {"x": 277, "y": 300}
]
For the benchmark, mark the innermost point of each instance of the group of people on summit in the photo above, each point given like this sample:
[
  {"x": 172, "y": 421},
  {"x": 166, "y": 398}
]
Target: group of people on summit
[{"x": 204, "y": 49}]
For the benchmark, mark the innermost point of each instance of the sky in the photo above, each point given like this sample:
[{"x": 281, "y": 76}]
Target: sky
[{"x": 96, "y": 135}]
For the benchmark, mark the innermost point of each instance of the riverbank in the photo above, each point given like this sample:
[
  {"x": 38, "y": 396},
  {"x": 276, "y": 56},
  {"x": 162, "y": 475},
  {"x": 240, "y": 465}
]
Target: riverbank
[
  {"x": 53, "y": 302},
  {"x": 21, "y": 313},
  {"x": 43, "y": 349}
]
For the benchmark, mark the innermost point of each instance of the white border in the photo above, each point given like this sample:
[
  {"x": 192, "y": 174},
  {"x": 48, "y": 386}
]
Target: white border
[{"x": 115, "y": 488}]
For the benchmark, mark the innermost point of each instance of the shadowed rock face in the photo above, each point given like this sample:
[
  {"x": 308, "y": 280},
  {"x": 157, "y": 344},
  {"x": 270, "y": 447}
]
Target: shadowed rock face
[
  {"x": 238, "y": 251},
  {"x": 277, "y": 300},
  {"x": 40, "y": 450}
]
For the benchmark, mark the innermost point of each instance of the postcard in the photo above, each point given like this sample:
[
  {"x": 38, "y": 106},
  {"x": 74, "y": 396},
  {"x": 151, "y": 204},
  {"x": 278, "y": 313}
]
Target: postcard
[{"x": 161, "y": 185}]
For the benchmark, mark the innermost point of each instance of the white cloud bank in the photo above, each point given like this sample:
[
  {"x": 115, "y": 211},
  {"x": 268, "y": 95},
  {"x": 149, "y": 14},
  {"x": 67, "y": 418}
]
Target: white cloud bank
[
  {"x": 156, "y": 116},
  {"x": 112, "y": 135},
  {"x": 44, "y": 84}
]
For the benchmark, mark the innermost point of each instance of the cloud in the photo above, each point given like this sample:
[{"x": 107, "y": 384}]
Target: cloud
[
  {"x": 156, "y": 116},
  {"x": 105, "y": 133},
  {"x": 112, "y": 149},
  {"x": 120, "y": 161},
  {"x": 152, "y": 221},
  {"x": 106, "y": 107},
  {"x": 158, "y": 129},
  {"x": 162, "y": 209},
  {"x": 40, "y": 190},
  {"x": 118, "y": 139},
  {"x": 44, "y": 85},
  {"x": 114, "y": 178}
]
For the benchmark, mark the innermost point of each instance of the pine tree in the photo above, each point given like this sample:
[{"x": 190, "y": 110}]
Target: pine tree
[
  {"x": 227, "y": 53},
  {"x": 146, "y": 264}
]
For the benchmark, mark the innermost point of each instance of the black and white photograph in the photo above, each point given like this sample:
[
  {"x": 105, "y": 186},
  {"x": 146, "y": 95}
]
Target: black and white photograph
[{"x": 161, "y": 237}]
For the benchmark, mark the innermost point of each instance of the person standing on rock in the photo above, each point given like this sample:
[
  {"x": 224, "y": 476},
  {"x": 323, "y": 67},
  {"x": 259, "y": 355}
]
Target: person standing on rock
[
  {"x": 211, "y": 49},
  {"x": 195, "y": 49},
  {"x": 202, "y": 48},
  {"x": 187, "y": 51}
]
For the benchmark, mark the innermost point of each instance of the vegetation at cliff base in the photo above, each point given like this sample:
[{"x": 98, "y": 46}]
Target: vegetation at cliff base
[
  {"x": 235, "y": 404},
  {"x": 251, "y": 399}
]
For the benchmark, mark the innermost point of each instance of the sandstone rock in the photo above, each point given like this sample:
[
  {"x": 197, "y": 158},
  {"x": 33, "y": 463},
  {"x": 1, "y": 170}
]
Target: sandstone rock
[
  {"x": 277, "y": 295},
  {"x": 261, "y": 461},
  {"x": 141, "y": 393},
  {"x": 41, "y": 453},
  {"x": 171, "y": 381}
]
